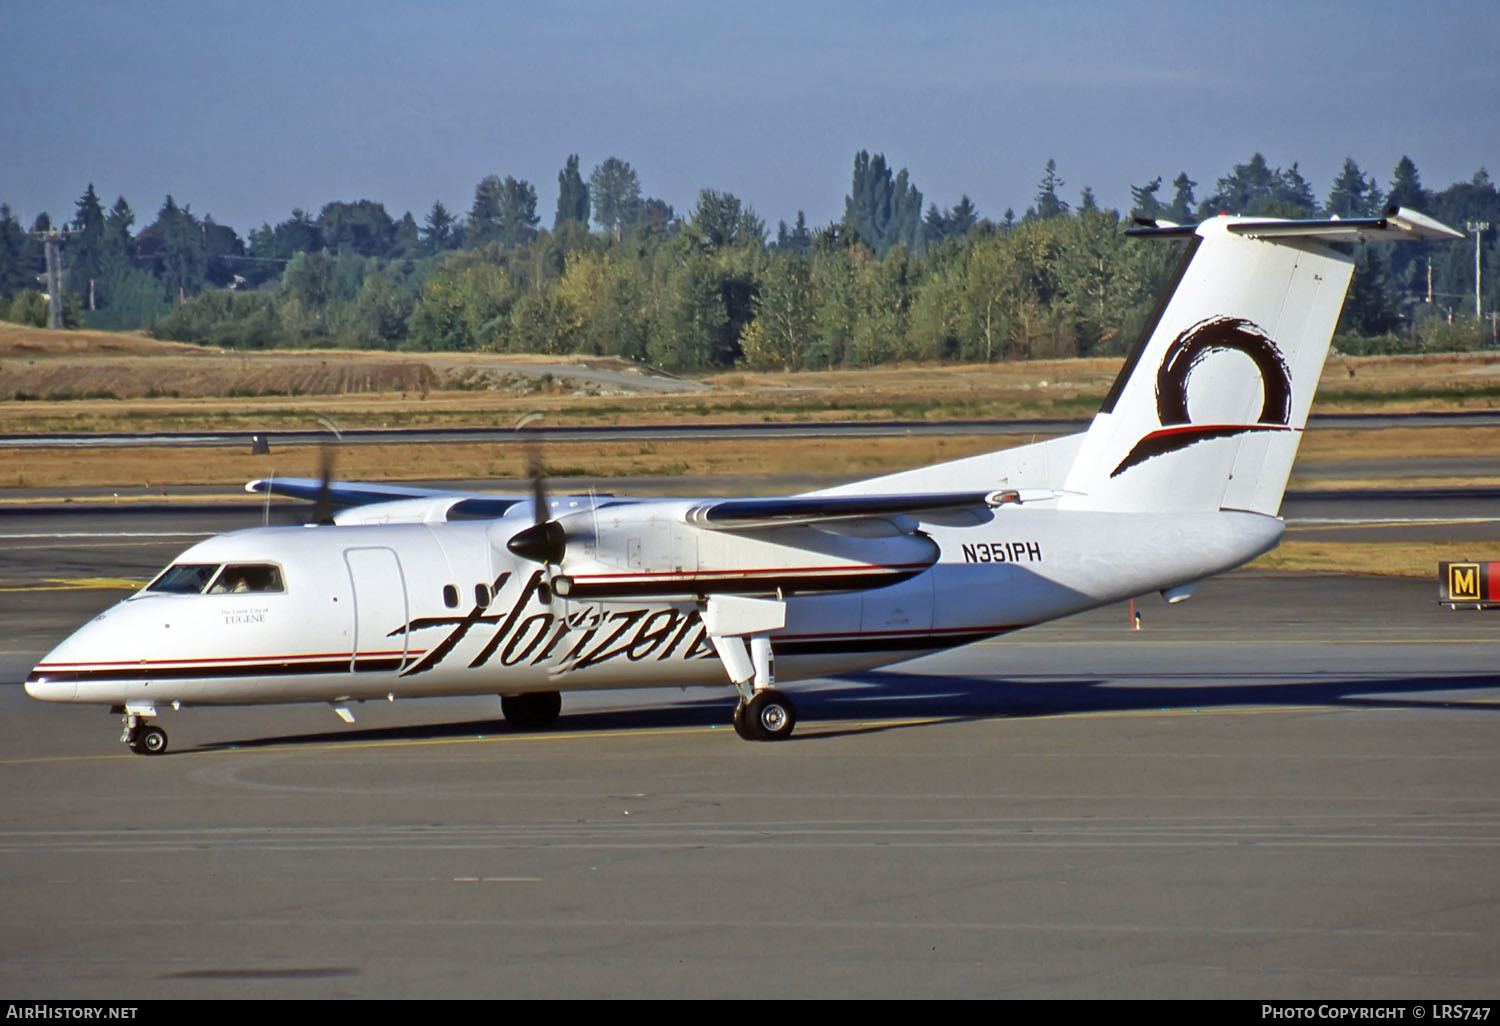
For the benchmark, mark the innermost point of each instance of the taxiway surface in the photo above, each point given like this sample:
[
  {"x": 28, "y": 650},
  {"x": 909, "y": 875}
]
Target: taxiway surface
[{"x": 1283, "y": 787}]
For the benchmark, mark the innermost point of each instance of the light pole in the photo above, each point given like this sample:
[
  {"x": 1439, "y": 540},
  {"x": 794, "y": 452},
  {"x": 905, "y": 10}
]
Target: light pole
[
  {"x": 52, "y": 240},
  {"x": 1478, "y": 228}
]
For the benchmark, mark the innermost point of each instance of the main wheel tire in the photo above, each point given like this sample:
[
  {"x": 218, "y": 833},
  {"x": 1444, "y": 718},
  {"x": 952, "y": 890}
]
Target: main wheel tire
[
  {"x": 150, "y": 741},
  {"x": 743, "y": 726},
  {"x": 770, "y": 716},
  {"x": 534, "y": 710}
]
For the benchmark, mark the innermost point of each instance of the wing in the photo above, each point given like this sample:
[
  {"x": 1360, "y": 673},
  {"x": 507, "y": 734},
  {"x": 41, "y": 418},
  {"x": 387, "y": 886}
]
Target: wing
[
  {"x": 348, "y": 493},
  {"x": 747, "y": 514}
]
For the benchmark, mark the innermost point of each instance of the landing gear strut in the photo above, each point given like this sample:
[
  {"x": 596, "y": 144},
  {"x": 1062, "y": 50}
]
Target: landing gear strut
[
  {"x": 534, "y": 710},
  {"x": 143, "y": 737}
]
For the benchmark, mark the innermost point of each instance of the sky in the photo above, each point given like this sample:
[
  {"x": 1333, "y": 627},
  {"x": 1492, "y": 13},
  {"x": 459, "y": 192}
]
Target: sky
[{"x": 246, "y": 111}]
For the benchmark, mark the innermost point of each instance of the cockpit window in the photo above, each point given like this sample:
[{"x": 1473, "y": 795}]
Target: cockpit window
[
  {"x": 238, "y": 578},
  {"x": 184, "y": 578}
]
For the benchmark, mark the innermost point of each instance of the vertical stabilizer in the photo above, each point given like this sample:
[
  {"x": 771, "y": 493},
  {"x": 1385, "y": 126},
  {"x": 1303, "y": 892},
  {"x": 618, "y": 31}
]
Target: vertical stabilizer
[{"x": 1209, "y": 408}]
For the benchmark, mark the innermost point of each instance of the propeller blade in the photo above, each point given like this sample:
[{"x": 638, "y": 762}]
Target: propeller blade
[
  {"x": 323, "y": 507},
  {"x": 541, "y": 512}
]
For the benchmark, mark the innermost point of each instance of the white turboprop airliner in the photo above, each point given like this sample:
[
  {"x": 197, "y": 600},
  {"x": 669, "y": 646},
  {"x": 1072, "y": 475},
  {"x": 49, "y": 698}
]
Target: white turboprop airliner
[{"x": 413, "y": 592}]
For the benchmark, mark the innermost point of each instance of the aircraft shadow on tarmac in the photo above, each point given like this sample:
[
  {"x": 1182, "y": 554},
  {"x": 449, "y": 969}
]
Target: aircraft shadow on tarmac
[{"x": 885, "y": 698}]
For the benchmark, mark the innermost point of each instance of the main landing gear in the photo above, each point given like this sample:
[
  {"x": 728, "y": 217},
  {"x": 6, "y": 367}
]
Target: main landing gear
[
  {"x": 535, "y": 710},
  {"x": 143, "y": 737},
  {"x": 768, "y": 715}
]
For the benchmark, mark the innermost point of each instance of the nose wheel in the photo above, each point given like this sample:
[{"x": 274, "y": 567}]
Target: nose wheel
[{"x": 769, "y": 715}]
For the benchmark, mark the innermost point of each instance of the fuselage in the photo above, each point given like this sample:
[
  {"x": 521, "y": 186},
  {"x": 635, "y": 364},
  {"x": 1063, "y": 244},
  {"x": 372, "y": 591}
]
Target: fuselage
[{"x": 339, "y": 613}]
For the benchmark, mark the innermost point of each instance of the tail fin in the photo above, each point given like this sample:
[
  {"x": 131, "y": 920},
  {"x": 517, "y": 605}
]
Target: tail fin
[{"x": 1210, "y": 406}]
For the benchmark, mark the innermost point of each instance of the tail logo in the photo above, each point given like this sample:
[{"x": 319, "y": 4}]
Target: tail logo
[{"x": 1187, "y": 351}]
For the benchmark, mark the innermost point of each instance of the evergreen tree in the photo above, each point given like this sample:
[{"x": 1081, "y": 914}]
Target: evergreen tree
[
  {"x": 222, "y": 250},
  {"x": 85, "y": 250},
  {"x": 1144, "y": 203},
  {"x": 438, "y": 229},
  {"x": 407, "y": 242},
  {"x": 173, "y": 245},
  {"x": 953, "y": 222},
  {"x": 118, "y": 243},
  {"x": 934, "y": 224},
  {"x": 518, "y": 216},
  {"x": 1406, "y": 187},
  {"x": 299, "y": 234},
  {"x": 1370, "y": 308},
  {"x": 16, "y": 273},
  {"x": 1247, "y": 189},
  {"x": 1291, "y": 195},
  {"x": 1353, "y": 195},
  {"x": 881, "y": 210},
  {"x": 1048, "y": 203},
  {"x": 963, "y": 217},
  {"x": 798, "y": 240},
  {"x": 1409, "y": 264},
  {"x": 1183, "y": 204},
  {"x": 572, "y": 195},
  {"x": 117, "y": 269}
]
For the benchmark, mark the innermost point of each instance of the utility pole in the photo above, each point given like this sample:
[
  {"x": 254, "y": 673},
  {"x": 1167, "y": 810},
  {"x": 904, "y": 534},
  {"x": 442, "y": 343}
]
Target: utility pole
[
  {"x": 52, "y": 240},
  {"x": 1478, "y": 228}
]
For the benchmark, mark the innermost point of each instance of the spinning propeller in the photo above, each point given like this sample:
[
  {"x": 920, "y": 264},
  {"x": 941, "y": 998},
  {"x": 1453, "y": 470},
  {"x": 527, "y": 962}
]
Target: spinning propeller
[
  {"x": 545, "y": 541},
  {"x": 323, "y": 506}
]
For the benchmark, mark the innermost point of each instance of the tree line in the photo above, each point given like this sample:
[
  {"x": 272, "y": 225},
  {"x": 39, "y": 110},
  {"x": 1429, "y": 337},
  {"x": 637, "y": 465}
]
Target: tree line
[{"x": 623, "y": 273}]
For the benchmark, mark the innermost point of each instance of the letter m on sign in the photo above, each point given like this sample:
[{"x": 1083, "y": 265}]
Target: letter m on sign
[{"x": 1463, "y": 583}]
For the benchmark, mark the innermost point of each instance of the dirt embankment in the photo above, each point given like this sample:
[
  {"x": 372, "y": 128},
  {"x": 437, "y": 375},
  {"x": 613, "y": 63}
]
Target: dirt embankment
[{"x": 61, "y": 366}]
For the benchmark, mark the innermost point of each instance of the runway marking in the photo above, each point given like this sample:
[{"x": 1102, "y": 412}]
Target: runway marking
[{"x": 77, "y": 584}]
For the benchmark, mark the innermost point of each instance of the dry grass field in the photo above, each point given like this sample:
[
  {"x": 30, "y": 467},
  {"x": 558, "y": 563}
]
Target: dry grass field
[{"x": 95, "y": 381}]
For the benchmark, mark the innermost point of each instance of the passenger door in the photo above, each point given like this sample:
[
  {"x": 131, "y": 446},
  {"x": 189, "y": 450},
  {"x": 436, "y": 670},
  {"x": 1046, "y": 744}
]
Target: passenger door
[{"x": 381, "y": 616}]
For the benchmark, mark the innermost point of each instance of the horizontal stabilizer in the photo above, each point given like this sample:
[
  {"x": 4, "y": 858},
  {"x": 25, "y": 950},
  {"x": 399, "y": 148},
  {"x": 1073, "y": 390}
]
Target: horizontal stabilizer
[{"x": 1398, "y": 225}]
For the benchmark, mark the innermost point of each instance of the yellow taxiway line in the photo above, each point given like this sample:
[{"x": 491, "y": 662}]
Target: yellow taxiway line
[{"x": 77, "y": 584}]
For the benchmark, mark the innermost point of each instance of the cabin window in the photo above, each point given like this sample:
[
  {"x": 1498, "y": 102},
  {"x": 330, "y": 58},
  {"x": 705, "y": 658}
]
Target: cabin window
[
  {"x": 450, "y": 596},
  {"x": 240, "y": 578},
  {"x": 481, "y": 596},
  {"x": 184, "y": 578}
]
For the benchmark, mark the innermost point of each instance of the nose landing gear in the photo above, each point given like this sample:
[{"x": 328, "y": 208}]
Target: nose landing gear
[{"x": 143, "y": 737}]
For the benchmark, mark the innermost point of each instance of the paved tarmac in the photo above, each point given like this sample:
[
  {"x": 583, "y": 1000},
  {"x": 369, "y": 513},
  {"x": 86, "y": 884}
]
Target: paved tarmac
[
  {"x": 673, "y": 432},
  {"x": 1284, "y": 787}
]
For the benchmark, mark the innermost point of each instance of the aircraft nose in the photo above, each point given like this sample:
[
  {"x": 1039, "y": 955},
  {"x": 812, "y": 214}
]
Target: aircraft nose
[
  {"x": 55, "y": 677},
  {"x": 47, "y": 687}
]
